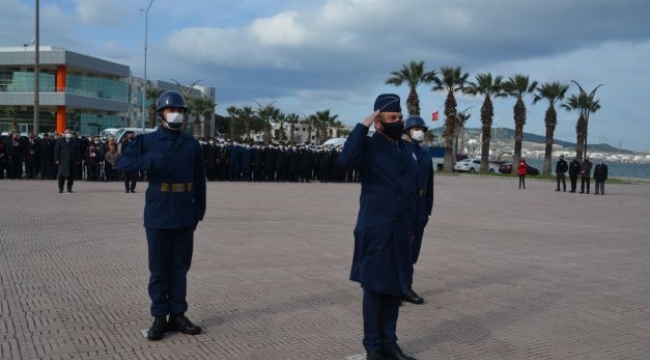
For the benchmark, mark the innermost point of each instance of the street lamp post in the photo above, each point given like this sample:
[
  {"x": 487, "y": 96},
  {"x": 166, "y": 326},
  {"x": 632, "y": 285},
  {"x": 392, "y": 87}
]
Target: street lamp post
[{"x": 144, "y": 90}]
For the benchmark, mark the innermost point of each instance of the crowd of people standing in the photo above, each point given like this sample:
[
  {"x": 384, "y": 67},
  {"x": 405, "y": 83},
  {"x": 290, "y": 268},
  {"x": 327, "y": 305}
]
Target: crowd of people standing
[{"x": 94, "y": 160}]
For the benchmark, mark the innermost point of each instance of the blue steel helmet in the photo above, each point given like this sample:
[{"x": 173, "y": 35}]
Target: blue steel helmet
[
  {"x": 413, "y": 121},
  {"x": 171, "y": 99}
]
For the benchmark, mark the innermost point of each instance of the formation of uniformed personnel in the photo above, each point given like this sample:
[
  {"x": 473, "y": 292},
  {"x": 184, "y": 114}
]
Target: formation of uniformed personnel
[
  {"x": 175, "y": 203},
  {"x": 414, "y": 130},
  {"x": 231, "y": 161},
  {"x": 382, "y": 261}
]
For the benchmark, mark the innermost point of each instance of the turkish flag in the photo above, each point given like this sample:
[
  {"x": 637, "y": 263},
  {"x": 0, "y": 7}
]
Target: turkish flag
[{"x": 434, "y": 116}]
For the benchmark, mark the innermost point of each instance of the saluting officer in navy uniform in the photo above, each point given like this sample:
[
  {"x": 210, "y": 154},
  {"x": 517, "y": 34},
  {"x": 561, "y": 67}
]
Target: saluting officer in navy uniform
[
  {"x": 382, "y": 261},
  {"x": 414, "y": 129},
  {"x": 174, "y": 205}
]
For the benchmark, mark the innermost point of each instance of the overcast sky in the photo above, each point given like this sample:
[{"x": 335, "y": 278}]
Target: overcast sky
[{"x": 312, "y": 55}]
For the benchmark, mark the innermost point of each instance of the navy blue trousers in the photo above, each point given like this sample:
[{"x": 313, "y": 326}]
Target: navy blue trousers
[
  {"x": 380, "y": 313},
  {"x": 170, "y": 258}
]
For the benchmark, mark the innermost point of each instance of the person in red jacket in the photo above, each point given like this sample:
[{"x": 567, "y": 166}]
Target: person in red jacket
[{"x": 521, "y": 172}]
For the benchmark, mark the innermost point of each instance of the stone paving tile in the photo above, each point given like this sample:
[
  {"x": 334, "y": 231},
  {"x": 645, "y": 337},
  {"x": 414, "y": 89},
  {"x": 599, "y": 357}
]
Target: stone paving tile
[{"x": 507, "y": 274}]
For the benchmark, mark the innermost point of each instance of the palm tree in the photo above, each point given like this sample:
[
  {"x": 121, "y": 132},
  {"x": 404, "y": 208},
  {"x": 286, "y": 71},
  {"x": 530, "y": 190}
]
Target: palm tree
[
  {"x": 246, "y": 115},
  {"x": 309, "y": 121},
  {"x": 281, "y": 119},
  {"x": 232, "y": 114},
  {"x": 453, "y": 80},
  {"x": 553, "y": 92},
  {"x": 461, "y": 120},
  {"x": 267, "y": 114},
  {"x": 586, "y": 104},
  {"x": 152, "y": 95},
  {"x": 324, "y": 123},
  {"x": 489, "y": 87},
  {"x": 292, "y": 119},
  {"x": 199, "y": 106},
  {"x": 519, "y": 85},
  {"x": 414, "y": 75},
  {"x": 208, "y": 109}
]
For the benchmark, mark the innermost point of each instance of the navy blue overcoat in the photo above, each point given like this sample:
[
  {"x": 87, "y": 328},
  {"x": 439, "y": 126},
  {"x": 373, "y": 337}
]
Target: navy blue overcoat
[
  {"x": 172, "y": 160},
  {"x": 385, "y": 224}
]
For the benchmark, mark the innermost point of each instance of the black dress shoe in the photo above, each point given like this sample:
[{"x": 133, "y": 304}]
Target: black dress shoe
[
  {"x": 375, "y": 355},
  {"x": 413, "y": 298},
  {"x": 178, "y": 322},
  {"x": 158, "y": 329},
  {"x": 396, "y": 354}
]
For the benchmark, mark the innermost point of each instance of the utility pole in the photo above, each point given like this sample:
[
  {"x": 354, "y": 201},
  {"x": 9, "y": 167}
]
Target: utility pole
[
  {"x": 36, "y": 70},
  {"x": 144, "y": 89}
]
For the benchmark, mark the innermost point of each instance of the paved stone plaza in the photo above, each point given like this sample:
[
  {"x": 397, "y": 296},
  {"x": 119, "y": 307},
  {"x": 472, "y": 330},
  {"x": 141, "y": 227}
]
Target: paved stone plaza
[{"x": 507, "y": 274}]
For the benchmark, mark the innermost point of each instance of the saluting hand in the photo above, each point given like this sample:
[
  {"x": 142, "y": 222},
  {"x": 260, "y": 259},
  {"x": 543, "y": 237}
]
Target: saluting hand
[{"x": 370, "y": 119}]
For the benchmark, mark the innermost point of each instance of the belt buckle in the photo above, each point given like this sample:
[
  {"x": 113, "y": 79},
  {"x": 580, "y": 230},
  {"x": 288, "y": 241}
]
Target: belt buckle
[
  {"x": 178, "y": 187},
  {"x": 164, "y": 187}
]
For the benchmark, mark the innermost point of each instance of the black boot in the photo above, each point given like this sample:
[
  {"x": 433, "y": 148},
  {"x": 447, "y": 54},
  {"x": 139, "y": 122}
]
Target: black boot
[
  {"x": 375, "y": 355},
  {"x": 396, "y": 354},
  {"x": 412, "y": 297},
  {"x": 158, "y": 329},
  {"x": 178, "y": 322}
]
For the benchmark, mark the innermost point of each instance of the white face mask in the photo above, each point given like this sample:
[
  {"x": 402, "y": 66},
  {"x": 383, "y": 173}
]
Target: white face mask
[
  {"x": 417, "y": 136},
  {"x": 174, "y": 120},
  {"x": 68, "y": 136}
]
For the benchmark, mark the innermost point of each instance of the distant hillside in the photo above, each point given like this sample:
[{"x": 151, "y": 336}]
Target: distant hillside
[{"x": 500, "y": 133}]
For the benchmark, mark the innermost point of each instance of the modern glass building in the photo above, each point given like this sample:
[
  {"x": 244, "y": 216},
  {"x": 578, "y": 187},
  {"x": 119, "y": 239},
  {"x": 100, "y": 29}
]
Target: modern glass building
[{"x": 76, "y": 91}]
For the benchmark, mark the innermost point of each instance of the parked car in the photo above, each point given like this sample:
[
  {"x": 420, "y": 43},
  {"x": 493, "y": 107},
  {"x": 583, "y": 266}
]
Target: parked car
[
  {"x": 507, "y": 169},
  {"x": 473, "y": 166},
  {"x": 470, "y": 165}
]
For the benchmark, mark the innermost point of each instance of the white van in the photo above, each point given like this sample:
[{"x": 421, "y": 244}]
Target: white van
[
  {"x": 104, "y": 134},
  {"x": 137, "y": 131}
]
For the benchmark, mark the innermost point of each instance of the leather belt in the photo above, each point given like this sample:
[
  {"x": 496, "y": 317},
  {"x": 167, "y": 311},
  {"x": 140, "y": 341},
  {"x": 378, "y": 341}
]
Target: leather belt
[{"x": 175, "y": 187}]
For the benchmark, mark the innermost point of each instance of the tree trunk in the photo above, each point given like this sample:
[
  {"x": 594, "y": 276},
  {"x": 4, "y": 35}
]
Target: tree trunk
[
  {"x": 485, "y": 146},
  {"x": 581, "y": 128},
  {"x": 548, "y": 150},
  {"x": 450, "y": 157}
]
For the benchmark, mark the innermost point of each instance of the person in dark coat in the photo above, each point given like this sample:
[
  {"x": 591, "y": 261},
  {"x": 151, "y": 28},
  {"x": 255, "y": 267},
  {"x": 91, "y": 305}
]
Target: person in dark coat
[
  {"x": 210, "y": 158},
  {"x": 4, "y": 158},
  {"x": 258, "y": 162},
  {"x": 246, "y": 162},
  {"x": 574, "y": 171},
  {"x": 32, "y": 156},
  {"x": 130, "y": 177},
  {"x": 600, "y": 175},
  {"x": 47, "y": 157},
  {"x": 234, "y": 161},
  {"x": 175, "y": 202},
  {"x": 585, "y": 175},
  {"x": 414, "y": 129},
  {"x": 382, "y": 261},
  {"x": 67, "y": 157},
  {"x": 16, "y": 152},
  {"x": 561, "y": 167}
]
